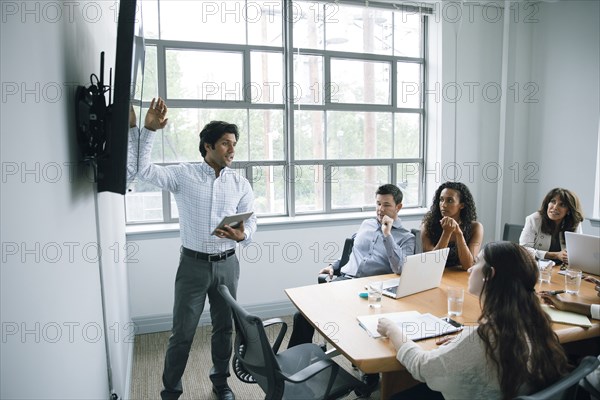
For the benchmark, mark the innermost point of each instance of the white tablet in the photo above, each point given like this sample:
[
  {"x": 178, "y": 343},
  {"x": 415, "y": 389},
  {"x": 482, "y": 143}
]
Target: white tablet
[{"x": 232, "y": 220}]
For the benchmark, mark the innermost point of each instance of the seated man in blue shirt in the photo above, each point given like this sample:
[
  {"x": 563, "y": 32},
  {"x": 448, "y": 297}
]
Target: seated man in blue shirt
[{"x": 381, "y": 246}]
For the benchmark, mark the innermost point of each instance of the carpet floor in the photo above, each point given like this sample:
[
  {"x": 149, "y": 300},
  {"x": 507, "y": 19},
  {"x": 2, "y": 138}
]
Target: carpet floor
[{"x": 149, "y": 353}]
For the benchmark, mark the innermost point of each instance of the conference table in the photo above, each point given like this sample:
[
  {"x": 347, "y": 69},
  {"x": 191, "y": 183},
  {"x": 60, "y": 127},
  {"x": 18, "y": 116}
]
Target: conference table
[{"x": 332, "y": 309}]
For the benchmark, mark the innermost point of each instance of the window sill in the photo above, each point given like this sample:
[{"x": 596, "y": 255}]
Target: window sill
[{"x": 275, "y": 222}]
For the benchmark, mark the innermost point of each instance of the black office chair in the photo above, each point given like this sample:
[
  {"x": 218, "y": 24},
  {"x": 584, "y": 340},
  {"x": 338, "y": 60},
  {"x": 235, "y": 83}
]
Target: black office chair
[
  {"x": 301, "y": 372},
  {"x": 512, "y": 232},
  {"x": 418, "y": 243},
  {"x": 567, "y": 387},
  {"x": 585, "y": 383},
  {"x": 346, "y": 251}
]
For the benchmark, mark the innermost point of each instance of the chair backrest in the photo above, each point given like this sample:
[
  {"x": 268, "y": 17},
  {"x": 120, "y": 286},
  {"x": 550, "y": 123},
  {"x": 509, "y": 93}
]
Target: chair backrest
[
  {"x": 348, "y": 244},
  {"x": 512, "y": 232},
  {"x": 566, "y": 388},
  {"x": 253, "y": 349},
  {"x": 418, "y": 243}
]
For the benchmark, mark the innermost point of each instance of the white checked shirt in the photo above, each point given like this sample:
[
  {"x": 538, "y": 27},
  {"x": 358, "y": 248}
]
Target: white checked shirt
[{"x": 202, "y": 199}]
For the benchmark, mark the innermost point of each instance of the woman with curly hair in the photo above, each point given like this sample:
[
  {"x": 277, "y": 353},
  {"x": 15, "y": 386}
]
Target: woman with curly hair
[
  {"x": 544, "y": 231},
  {"x": 451, "y": 222},
  {"x": 513, "y": 351}
]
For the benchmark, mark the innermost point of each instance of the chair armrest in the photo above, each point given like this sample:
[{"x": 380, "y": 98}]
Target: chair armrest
[
  {"x": 312, "y": 370},
  {"x": 280, "y": 335}
]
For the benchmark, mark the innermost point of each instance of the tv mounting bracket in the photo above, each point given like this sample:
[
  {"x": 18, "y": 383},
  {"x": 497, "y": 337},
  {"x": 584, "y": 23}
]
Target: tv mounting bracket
[{"x": 93, "y": 118}]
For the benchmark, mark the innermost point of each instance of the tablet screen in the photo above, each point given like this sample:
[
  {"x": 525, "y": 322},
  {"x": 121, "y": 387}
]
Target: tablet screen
[{"x": 232, "y": 220}]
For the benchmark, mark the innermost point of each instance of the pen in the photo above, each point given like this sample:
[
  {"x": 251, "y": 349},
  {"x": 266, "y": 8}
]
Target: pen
[{"x": 554, "y": 292}]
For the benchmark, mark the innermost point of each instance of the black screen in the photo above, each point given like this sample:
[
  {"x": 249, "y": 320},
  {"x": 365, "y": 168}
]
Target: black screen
[{"x": 129, "y": 61}]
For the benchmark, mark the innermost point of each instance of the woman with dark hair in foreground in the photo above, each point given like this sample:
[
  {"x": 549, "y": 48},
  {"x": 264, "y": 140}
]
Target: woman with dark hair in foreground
[{"x": 512, "y": 352}]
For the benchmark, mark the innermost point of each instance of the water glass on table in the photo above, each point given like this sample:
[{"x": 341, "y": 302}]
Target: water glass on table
[
  {"x": 573, "y": 280},
  {"x": 374, "y": 294},
  {"x": 456, "y": 298},
  {"x": 545, "y": 268}
]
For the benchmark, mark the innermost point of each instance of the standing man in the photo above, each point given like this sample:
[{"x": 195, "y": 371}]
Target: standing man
[
  {"x": 205, "y": 193},
  {"x": 381, "y": 246}
]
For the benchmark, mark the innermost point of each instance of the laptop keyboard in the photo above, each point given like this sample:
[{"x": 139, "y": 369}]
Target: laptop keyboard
[{"x": 392, "y": 289}]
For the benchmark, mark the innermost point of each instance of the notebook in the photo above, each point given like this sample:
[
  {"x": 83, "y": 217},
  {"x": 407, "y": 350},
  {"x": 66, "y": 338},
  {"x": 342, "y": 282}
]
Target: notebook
[
  {"x": 584, "y": 252},
  {"x": 416, "y": 326},
  {"x": 420, "y": 272},
  {"x": 566, "y": 317}
]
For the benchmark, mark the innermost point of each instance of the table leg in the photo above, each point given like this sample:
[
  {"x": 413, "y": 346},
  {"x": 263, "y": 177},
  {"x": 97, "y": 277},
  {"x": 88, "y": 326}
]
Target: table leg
[{"x": 395, "y": 381}]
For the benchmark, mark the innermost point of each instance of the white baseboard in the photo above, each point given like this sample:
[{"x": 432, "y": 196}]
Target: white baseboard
[{"x": 163, "y": 322}]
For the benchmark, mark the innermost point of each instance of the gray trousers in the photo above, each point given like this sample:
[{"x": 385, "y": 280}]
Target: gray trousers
[{"x": 195, "y": 280}]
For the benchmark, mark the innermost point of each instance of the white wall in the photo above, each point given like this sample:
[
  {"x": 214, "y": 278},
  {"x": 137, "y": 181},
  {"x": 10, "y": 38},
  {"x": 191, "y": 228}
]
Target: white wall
[
  {"x": 472, "y": 60},
  {"x": 281, "y": 256},
  {"x": 564, "y": 124},
  {"x": 53, "y": 341}
]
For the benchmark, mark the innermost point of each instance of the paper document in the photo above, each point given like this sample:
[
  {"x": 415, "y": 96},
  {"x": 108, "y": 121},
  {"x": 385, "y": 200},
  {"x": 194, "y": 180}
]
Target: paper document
[
  {"x": 415, "y": 325},
  {"x": 566, "y": 317}
]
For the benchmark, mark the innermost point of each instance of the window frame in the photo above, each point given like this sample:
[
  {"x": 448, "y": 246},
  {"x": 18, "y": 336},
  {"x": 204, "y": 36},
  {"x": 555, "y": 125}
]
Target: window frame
[{"x": 289, "y": 109}]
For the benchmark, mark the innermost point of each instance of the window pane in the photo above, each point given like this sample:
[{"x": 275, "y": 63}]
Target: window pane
[
  {"x": 268, "y": 183},
  {"x": 407, "y": 34},
  {"x": 308, "y": 18},
  {"x": 406, "y": 139},
  {"x": 264, "y": 22},
  {"x": 180, "y": 138},
  {"x": 266, "y": 135},
  {"x": 309, "y": 135},
  {"x": 203, "y": 21},
  {"x": 204, "y": 75},
  {"x": 408, "y": 180},
  {"x": 149, "y": 15},
  {"x": 409, "y": 85},
  {"x": 144, "y": 203},
  {"x": 361, "y": 82},
  {"x": 309, "y": 188},
  {"x": 353, "y": 187},
  {"x": 249, "y": 73},
  {"x": 266, "y": 78},
  {"x": 150, "y": 86},
  {"x": 358, "y": 29},
  {"x": 359, "y": 135},
  {"x": 174, "y": 209},
  {"x": 308, "y": 79}
]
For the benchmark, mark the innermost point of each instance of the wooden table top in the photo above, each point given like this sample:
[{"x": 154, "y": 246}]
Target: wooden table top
[{"x": 333, "y": 308}]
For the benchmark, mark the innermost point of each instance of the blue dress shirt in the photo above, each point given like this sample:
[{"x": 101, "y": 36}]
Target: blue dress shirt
[{"x": 374, "y": 254}]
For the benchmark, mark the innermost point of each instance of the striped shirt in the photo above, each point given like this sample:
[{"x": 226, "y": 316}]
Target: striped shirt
[{"x": 202, "y": 198}]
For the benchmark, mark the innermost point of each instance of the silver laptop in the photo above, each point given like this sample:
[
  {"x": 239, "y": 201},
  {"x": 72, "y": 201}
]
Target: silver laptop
[
  {"x": 584, "y": 252},
  {"x": 420, "y": 272}
]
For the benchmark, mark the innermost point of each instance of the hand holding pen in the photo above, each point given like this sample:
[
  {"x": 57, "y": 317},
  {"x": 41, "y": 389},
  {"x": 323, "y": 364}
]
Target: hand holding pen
[
  {"x": 552, "y": 292},
  {"x": 551, "y": 298}
]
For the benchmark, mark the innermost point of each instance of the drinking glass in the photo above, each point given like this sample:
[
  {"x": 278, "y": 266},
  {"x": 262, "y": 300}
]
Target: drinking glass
[
  {"x": 374, "y": 293},
  {"x": 572, "y": 280},
  {"x": 456, "y": 297},
  {"x": 545, "y": 268}
]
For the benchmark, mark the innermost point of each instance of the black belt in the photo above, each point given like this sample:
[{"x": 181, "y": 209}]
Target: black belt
[{"x": 207, "y": 257}]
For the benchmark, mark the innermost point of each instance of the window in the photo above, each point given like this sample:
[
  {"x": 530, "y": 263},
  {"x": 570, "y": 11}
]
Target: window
[{"x": 321, "y": 91}]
